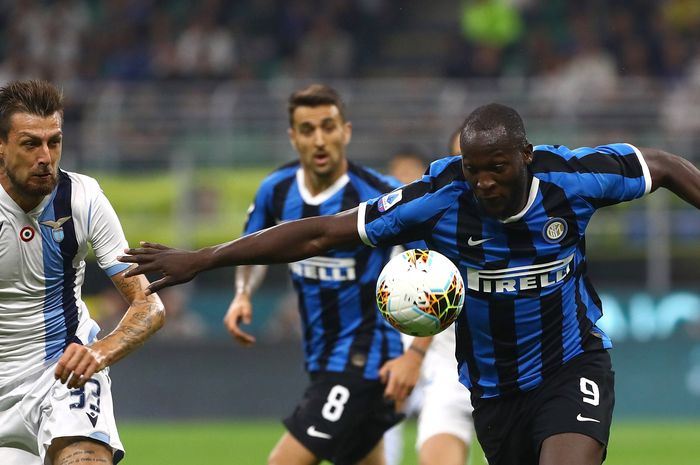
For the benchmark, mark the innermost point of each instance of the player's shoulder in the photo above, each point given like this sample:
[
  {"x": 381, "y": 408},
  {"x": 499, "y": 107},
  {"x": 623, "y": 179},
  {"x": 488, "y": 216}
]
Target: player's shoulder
[
  {"x": 444, "y": 175},
  {"x": 371, "y": 177},
  {"x": 548, "y": 158},
  {"x": 449, "y": 167},
  {"x": 81, "y": 182},
  {"x": 441, "y": 186},
  {"x": 280, "y": 174}
]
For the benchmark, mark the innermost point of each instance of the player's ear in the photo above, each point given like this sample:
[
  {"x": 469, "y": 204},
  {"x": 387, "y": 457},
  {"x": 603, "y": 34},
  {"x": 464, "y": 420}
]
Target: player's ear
[
  {"x": 292, "y": 138},
  {"x": 527, "y": 154},
  {"x": 348, "y": 132}
]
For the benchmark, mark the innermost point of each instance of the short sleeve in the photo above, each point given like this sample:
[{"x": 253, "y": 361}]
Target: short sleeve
[
  {"x": 603, "y": 175},
  {"x": 405, "y": 214},
  {"x": 106, "y": 234}
]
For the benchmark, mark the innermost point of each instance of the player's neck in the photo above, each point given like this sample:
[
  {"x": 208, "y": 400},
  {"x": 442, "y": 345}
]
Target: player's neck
[
  {"x": 316, "y": 184},
  {"x": 522, "y": 199},
  {"x": 525, "y": 195}
]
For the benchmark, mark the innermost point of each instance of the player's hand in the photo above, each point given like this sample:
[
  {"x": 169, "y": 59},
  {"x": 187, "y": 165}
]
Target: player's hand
[
  {"x": 401, "y": 375},
  {"x": 176, "y": 266},
  {"x": 240, "y": 312},
  {"x": 77, "y": 365}
]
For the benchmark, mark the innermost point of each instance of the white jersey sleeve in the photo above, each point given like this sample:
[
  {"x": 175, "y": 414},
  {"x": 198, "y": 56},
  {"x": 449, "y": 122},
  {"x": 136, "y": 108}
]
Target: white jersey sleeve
[{"x": 105, "y": 233}]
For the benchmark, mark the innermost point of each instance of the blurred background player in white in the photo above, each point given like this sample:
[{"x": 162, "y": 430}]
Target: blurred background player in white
[
  {"x": 440, "y": 401},
  {"x": 55, "y": 395}
]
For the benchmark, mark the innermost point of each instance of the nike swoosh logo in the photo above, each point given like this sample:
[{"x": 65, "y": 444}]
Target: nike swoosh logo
[
  {"x": 472, "y": 242},
  {"x": 579, "y": 417},
  {"x": 313, "y": 432}
]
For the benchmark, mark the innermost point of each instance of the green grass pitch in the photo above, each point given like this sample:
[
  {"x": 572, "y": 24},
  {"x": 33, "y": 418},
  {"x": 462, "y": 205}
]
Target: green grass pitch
[{"x": 248, "y": 443}]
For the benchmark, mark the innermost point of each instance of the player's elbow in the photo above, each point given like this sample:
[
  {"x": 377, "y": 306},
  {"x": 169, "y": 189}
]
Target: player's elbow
[
  {"x": 663, "y": 167},
  {"x": 156, "y": 312}
]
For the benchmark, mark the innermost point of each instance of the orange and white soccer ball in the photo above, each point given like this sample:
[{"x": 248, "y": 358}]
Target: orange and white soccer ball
[{"x": 420, "y": 292}]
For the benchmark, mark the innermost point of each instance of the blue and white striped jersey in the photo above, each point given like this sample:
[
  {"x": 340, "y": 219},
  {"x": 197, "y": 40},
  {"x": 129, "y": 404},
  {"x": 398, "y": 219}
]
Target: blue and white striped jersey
[
  {"x": 42, "y": 267},
  {"x": 343, "y": 330},
  {"x": 530, "y": 306}
]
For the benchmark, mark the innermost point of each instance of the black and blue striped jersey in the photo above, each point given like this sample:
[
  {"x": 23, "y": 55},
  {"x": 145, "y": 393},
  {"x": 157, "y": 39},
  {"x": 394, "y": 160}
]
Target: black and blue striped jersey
[
  {"x": 343, "y": 330},
  {"x": 530, "y": 306}
]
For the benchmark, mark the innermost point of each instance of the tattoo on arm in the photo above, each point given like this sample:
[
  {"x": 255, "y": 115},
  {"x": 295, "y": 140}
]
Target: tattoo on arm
[{"x": 144, "y": 316}]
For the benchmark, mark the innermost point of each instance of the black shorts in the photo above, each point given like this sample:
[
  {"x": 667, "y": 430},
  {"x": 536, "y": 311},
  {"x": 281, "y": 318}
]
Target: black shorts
[
  {"x": 342, "y": 417},
  {"x": 577, "y": 398}
]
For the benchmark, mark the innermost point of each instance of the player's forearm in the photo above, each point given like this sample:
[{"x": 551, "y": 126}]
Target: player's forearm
[
  {"x": 142, "y": 319},
  {"x": 248, "y": 278},
  {"x": 422, "y": 343},
  {"x": 284, "y": 243}
]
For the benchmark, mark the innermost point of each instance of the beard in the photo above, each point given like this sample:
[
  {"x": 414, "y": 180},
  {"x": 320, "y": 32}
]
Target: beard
[{"x": 27, "y": 188}]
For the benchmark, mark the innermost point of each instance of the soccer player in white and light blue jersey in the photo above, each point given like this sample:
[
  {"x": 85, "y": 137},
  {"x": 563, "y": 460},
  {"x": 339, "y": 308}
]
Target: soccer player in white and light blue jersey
[
  {"x": 55, "y": 399},
  {"x": 513, "y": 218}
]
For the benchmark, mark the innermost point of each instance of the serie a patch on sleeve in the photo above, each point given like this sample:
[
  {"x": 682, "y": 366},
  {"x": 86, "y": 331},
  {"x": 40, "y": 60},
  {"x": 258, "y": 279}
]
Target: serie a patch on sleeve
[{"x": 389, "y": 200}]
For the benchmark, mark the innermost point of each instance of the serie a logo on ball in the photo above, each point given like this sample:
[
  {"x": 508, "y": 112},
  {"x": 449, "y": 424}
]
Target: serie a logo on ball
[{"x": 420, "y": 292}]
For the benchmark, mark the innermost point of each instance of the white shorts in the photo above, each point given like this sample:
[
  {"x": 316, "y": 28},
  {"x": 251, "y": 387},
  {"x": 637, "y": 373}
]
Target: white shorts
[
  {"x": 445, "y": 404},
  {"x": 442, "y": 403},
  {"x": 36, "y": 411}
]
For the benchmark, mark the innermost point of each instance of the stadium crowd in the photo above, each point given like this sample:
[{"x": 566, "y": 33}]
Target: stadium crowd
[{"x": 156, "y": 39}]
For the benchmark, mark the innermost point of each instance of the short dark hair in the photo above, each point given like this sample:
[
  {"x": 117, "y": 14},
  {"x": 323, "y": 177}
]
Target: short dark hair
[
  {"x": 491, "y": 118},
  {"x": 313, "y": 96},
  {"x": 35, "y": 97}
]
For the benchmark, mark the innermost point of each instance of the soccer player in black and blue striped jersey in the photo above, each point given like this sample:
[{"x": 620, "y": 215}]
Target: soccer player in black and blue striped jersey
[
  {"x": 513, "y": 218},
  {"x": 344, "y": 412}
]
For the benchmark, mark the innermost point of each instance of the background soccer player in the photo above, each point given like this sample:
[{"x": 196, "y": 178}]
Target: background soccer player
[
  {"x": 513, "y": 218},
  {"x": 344, "y": 413},
  {"x": 55, "y": 398}
]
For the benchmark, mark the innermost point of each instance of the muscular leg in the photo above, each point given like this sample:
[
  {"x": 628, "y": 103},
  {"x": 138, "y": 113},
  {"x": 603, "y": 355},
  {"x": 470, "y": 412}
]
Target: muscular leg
[
  {"x": 571, "y": 449},
  {"x": 79, "y": 451},
  {"x": 443, "y": 449},
  {"x": 289, "y": 451}
]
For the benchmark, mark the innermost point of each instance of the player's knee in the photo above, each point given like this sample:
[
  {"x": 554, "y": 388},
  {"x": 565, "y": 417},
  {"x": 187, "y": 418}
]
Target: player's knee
[
  {"x": 78, "y": 449},
  {"x": 276, "y": 457}
]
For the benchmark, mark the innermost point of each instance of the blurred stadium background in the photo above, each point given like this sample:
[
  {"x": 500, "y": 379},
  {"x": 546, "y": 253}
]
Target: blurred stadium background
[{"x": 179, "y": 109}]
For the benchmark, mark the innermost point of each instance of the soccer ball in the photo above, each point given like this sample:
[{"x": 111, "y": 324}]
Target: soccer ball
[{"x": 420, "y": 292}]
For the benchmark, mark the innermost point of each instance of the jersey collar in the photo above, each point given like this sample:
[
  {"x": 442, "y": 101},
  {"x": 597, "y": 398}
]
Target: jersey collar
[{"x": 322, "y": 196}]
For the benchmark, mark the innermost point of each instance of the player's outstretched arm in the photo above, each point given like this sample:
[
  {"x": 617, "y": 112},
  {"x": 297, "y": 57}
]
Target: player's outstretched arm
[
  {"x": 673, "y": 173},
  {"x": 284, "y": 243},
  {"x": 144, "y": 317}
]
